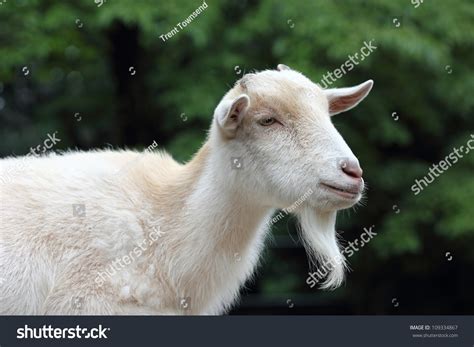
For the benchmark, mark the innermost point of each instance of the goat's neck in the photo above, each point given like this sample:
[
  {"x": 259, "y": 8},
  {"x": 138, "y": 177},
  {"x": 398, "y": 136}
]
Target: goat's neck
[
  {"x": 219, "y": 233},
  {"x": 225, "y": 216}
]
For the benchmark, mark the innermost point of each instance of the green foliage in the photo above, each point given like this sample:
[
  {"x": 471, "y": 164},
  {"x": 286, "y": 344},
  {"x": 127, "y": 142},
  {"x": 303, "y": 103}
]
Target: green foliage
[{"x": 85, "y": 70}]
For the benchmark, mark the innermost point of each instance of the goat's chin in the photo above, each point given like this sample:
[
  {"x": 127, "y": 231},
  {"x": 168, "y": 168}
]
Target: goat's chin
[
  {"x": 329, "y": 202},
  {"x": 320, "y": 240},
  {"x": 342, "y": 204}
]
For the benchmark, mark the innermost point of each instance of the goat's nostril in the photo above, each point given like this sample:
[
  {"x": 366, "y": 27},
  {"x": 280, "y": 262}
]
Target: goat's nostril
[{"x": 351, "y": 168}]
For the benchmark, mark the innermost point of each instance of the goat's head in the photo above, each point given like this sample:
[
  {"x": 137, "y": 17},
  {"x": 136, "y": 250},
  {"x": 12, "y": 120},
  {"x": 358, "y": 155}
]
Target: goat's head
[{"x": 279, "y": 123}]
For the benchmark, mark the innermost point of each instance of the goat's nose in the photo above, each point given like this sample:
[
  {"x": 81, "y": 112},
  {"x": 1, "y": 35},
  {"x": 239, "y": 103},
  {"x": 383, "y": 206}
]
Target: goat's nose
[{"x": 351, "y": 168}]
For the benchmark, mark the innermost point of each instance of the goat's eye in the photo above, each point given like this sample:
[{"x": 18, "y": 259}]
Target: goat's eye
[{"x": 266, "y": 121}]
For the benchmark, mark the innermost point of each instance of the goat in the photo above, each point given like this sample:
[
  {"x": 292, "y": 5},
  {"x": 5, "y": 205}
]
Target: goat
[{"x": 123, "y": 232}]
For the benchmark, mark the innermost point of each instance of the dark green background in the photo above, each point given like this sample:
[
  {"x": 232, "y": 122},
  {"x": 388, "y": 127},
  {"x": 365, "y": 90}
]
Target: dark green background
[{"x": 422, "y": 70}]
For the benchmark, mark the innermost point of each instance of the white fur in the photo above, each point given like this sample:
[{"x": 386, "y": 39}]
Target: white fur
[{"x": 213, "y": 217}]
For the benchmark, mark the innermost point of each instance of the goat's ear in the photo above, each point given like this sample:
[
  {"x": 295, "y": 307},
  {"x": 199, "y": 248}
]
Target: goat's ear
[
  {"x": 282, "y": 67},
  {"x": 229, "y": 114},
  {"x": 343, "y": 99}
]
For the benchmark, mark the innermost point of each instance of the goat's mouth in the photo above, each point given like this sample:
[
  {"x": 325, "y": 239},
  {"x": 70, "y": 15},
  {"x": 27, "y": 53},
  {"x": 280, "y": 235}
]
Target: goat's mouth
[{"x": 351, "y": 193}]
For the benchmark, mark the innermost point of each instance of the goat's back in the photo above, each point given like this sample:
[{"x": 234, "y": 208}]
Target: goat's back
[{"x": 61, "y": 217}]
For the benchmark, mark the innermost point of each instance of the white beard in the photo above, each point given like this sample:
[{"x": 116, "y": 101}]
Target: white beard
[{"x": 320, "y": 240}]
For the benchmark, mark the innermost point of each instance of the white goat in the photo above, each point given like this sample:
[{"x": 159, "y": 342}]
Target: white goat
[{"x": 186, "y": 237}]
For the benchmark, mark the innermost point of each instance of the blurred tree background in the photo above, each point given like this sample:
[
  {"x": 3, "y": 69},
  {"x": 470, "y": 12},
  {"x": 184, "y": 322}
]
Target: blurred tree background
[{"x": 101, "y": 76}]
